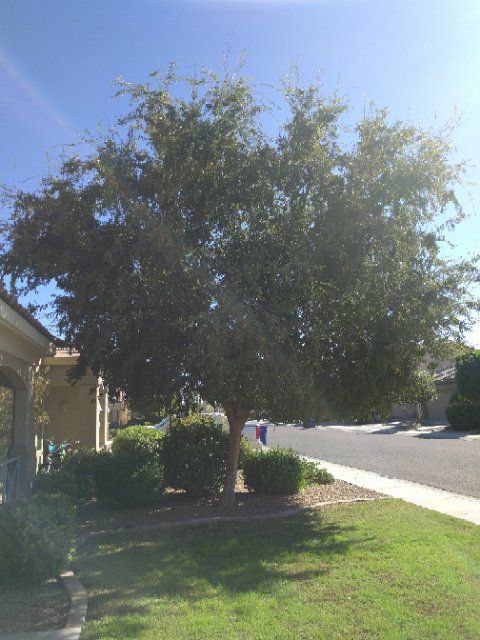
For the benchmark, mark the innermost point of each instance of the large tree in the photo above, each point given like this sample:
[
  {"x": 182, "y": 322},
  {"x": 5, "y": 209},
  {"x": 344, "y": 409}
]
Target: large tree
[{"x": 196, "y": 253}]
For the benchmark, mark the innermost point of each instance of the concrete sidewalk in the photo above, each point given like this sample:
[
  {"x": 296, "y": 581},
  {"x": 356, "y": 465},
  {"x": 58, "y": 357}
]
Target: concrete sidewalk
[{"x": 451, "y": 504}]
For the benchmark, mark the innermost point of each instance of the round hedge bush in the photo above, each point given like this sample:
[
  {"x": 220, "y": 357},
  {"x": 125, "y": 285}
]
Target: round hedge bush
[
  {"x": 121, "y": 482},
  {"x": 75, "y": 478},
  {"x": 314, "y": 475},
  {"x": 81, "y": 463},
  {"x": 142, "y": 442},
  {"x": 463, "y": 414},
  {"x": 195, "y": 453},
  {"x": 36, "y": 538},
  {"x": 58, "y": 481},
  {"x": 274, "y": 471}
]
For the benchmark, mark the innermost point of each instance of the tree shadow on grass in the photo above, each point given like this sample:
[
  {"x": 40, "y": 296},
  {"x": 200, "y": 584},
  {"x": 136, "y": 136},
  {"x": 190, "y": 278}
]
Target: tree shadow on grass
[{"x": 128, "y": 575}]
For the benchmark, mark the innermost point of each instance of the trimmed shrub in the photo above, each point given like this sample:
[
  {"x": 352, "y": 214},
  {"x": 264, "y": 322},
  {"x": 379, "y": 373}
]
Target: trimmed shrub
[
  {"x": 274, "y": 471},
  {"x": 245, "y": 450},
  {"x": 81, "y": 463},
  {"x": 314, "y": 475},
  {"x": 195, "y": 453},
  {"x": 36, "y": 538},
  {"x": 57, "y": 481},
  {"x": 121, "y": 482},
  {"x": 463, "y": 414},
  {"x": 140, "y": 442},
  {"x": 281, "y": 471},
  {"x": 75, "y": 478}
]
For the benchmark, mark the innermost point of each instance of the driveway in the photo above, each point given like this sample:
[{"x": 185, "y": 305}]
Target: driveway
[{"x": 435, "y": 457}]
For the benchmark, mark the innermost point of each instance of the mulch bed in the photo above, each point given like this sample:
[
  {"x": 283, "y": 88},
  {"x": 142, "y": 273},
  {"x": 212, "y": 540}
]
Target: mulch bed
[
  {"x": 176, "y": 506},
  {"x": 34, "y": 608}
]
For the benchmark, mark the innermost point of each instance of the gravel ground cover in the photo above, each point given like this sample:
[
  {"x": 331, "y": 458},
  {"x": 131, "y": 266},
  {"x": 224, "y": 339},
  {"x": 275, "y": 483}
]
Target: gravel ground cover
[
  {"x": 34, "y": 608},
  {"x": 177, "y": 506}
]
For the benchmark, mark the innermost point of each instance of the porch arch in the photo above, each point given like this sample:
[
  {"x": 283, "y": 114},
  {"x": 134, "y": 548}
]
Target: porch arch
[
  {"x": 18, "y": 378},
  {"x": 9, "y": 378}
]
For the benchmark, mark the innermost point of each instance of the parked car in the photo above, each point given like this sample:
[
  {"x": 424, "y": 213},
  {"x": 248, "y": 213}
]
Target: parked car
[{"x": 162, "y": 425}]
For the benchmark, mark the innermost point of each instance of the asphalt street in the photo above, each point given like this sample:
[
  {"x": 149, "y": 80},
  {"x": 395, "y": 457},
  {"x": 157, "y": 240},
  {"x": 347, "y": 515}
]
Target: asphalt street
[{"x": 441, "y": 460}]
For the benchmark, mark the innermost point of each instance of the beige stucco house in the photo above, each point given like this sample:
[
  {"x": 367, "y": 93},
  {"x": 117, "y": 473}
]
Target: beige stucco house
[
  {"x": 119, "y": 412},
  {"x": 434, "y": 410},
  {"x": 77, "y": 412}
]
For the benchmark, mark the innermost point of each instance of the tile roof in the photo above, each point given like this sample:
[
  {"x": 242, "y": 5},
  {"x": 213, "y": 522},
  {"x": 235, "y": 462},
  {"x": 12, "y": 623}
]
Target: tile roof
[
  {"x": 26, "y": 314},
  {"x": 444, "y": 372}
]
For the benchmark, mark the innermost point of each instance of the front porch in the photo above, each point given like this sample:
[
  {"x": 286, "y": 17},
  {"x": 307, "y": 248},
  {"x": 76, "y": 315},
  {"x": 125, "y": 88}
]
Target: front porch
[
  {"x": 23, "y": 343},
  {"x": 76, "y": 413}
]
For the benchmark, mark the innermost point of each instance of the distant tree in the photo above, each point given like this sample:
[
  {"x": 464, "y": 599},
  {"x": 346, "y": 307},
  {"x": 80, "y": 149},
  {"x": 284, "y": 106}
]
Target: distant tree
[
  {"x": 419, "y": 391},
  {"x": 291, "y": 273},
  {"x": 463, "y": 411},
  {"x": 468, "y": 375}
]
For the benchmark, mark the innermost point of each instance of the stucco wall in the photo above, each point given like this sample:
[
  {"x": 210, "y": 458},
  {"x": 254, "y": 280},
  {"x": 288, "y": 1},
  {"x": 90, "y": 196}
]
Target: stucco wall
[
  {"x": 73, "y": 415},
  {"x": 402, "y": 412},
  {"x": 21, "y": 347},
  {"x": 76, "y": 412},
  {"x": 436, "y": 408}
]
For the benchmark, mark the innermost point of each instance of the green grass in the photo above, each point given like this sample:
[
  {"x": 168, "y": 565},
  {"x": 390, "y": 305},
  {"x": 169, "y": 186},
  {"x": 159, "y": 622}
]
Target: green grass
[{"x": 380, "y": 570}]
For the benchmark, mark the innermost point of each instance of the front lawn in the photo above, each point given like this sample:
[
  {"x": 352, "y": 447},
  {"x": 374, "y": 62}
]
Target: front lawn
[{"x": 377, "y": 570}]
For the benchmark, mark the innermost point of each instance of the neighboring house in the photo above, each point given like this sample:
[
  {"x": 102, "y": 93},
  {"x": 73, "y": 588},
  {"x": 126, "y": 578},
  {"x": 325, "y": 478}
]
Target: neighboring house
[
  {"x": 23, "y": 343},
  {"x": 118, "y": 412},
  {"x": 434, "y": 409},
  {"x": 446, "y": 387},
  {"x": 76, "y": 413}
]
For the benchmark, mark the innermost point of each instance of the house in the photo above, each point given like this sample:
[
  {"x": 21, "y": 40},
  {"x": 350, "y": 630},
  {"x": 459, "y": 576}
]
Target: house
[
  {"x": 119, "y": 412},
  {"x": 434, "y": 410},
  {"x": 446, "y": 387},
  {"x": 76, "y": 412}
]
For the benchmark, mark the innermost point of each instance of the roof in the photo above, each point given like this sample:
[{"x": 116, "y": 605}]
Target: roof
[
  {"x": 26, "y": 314},
  {"x": 62, "y": 356},
  {"x": 446, "y": 371}
]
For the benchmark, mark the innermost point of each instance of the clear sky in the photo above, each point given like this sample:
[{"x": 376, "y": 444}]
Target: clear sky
[{"x": 58, "y": 59}]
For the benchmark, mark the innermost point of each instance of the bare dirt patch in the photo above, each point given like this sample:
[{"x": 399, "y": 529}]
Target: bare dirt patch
[
  {"x": 34, "y": 608},
  {"x": 176, "y": 506}
]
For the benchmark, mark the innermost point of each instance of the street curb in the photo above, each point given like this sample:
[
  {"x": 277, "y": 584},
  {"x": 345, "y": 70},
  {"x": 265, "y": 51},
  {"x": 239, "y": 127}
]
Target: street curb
[
  {"x": 451, "y": 504},
  {"x": 217, "y": 519},
  {"x": 75, "y": 620},
  {"x": 78, "y": 601}
]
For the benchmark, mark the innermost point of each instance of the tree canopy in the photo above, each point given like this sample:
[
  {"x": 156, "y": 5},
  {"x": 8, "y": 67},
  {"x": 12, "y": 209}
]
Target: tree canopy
[{"x": 293, "y": 272}]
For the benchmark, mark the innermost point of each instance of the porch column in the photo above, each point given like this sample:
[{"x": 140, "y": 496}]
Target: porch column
[
  {"x": 103, "y": 418},
  {"x": 23, "y": 445}
]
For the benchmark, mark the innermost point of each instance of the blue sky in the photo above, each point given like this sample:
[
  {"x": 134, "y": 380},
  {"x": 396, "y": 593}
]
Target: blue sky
[{"x": 58, "y": 60}]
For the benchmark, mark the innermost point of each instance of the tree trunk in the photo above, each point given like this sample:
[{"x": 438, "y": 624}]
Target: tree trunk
[
  {"x": 418, "y": 413},
  {"x": 236, "y": 421}
]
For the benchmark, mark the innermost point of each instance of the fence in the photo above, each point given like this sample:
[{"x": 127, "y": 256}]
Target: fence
[{"x": 9, "y": 480}]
